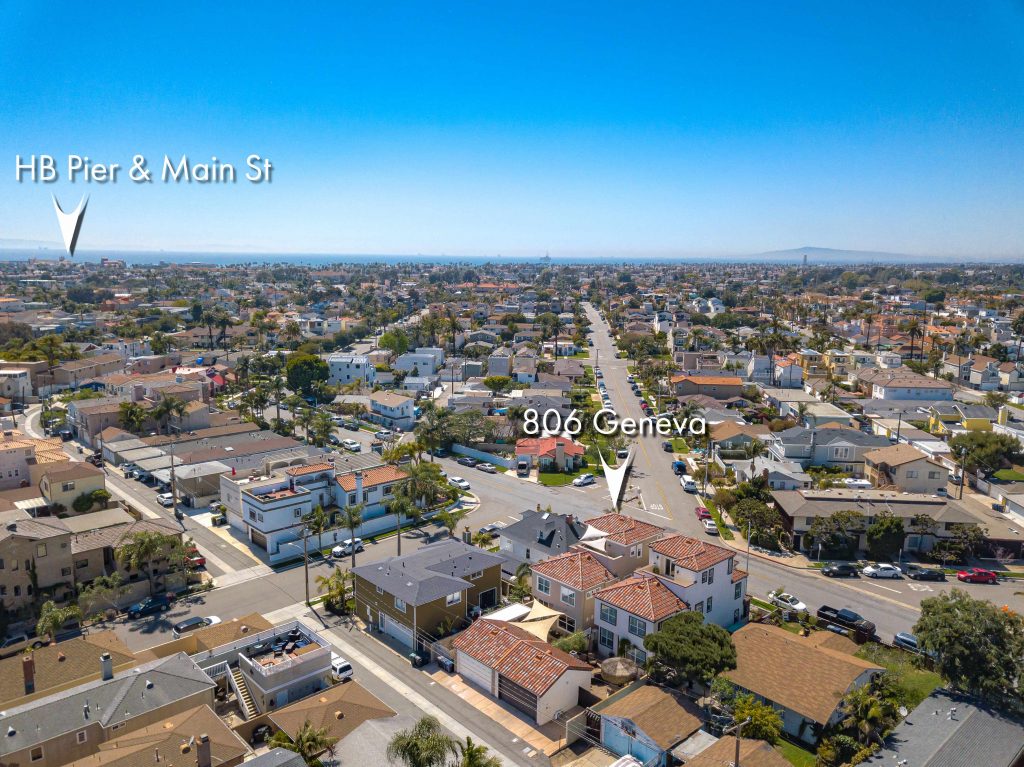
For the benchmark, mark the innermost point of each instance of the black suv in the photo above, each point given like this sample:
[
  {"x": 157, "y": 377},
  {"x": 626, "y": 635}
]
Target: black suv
[
  {"x": 840, "y": 570},
  {"x": 160, "y": 603},
  {"x": 921, "y": 573}
]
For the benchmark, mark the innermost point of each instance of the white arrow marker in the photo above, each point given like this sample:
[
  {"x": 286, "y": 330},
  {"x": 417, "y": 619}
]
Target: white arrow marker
[
  {"x": 616, "y": 478},
  {"x": 70, "y": 223}
]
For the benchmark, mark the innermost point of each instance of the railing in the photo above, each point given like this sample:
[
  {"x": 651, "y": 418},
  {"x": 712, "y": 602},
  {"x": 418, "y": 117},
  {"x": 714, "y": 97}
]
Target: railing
[
  {"x": 217, "y": 670},
  {"x": 256, "y": 669},
  {"x": 251, "y": 639}
]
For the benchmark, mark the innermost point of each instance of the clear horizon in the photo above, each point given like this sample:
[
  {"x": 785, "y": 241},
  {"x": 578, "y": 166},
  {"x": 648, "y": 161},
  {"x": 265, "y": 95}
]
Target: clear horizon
[{"x": 661, "y": 131}]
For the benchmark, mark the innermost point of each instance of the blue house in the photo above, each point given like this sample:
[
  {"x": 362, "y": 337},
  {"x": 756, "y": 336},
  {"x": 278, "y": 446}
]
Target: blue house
[{"x": 647, "y": 723}]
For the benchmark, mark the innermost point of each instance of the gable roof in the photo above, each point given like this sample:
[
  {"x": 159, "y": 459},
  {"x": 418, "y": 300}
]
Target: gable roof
[
  {"x": 577, "y": 569},
  {"x": 516, "y": 654},
  {"x": 547, "y": 530},
  {"x": 545, "y": 446},
  {"x": 691, "y": 553},
  {"x": 665, "y": 717},
  {"x": 646, "y": 598},
  {"x": 379, "y": 475},
  {"x": 786, "y": 669},
  {"x": 624, "y": 529},
  {"x": 753, "y": 753},
  {"x": 354, "y": 702}
]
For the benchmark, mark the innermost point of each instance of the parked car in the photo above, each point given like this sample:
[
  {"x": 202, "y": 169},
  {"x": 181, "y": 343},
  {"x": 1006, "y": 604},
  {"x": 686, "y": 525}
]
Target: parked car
[
  {"x": 523, "y": 467},
  {"x": 583, "y": 480},
  {"x": 668, "y": 447},
  {"x": 341, "y": 669},
  {"x": 907, "y": 641},
  {"x": 344, "y": 549},
  {"x": 384, "y": 434},
  {"x": 467, "y": 461},
  {"x": 678, "y": 467},
  {"x": 459, "y": 482},
  {"x": 840, "y": 570},
  {"x": 976, "y": 575},
  {"x": 709, "y": 526},
  {"x": 689, "y": 484},
  {"x": 702, "y": 513},
  {"x": 194, "y": 559},
  {"x": 492, "y": 529},
  {"x": 334, "y": 439},
  {"x": 440, "y": 452},
  {"x": 159, "y": 603},
  {"x": 486, "y": 468},
  {"x": 165, "y": 499},
  {"x": 351, "y": 445},
  {"x": 882, "y": 570},
  {"x": 17, "y": 643},
  {"x": 922, "y": 573},
  {"x": 786, "y": 601},
  {"x": 598, "y": 373},
  {"x": 622, "y": 454},
  {"x": 193, "y": 623},
  {"x": 862, "y": 629}
]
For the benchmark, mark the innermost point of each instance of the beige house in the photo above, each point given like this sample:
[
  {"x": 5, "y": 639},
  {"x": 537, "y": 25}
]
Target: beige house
[
  {"x": 27, "y": 546},
  {"x": 62, "y": 484},
  {"x": 905, "y": 468},
  {"x": 567, "y": 583}
]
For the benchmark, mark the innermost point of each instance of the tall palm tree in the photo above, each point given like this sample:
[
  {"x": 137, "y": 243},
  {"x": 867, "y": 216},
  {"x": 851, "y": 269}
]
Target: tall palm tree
[
  {"x": 304, "y": 419},
  {"x": 52, "y": 618},
  {"x": 317, "y": 522},
  {"x": 277, "y": 387},
  {"x": 142, "y": 549},
  {"x": 334, "y": 587},
  {"x": 353, "y": 516},
  {"x": 450, "y": 519},
  {"x": 402, "y": 506},
  {"x": 309, "y": 742},
  {"x": 914, "y": 331},
  {"x": 425, "y": 744},
  {"x": 475, "y": 755},
  {"x": 132, "y": 416},
  {"x": 167, "y": 407}
]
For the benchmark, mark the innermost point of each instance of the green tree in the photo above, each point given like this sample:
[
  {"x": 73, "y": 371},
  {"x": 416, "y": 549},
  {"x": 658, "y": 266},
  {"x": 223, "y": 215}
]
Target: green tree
[
  {"x": 395, "y": 341},
  {"x": 52, "y": 618},
  {"x": 103, "y": 591},
  {"x": 131, "y": 416},
  {"x": 450, "y": 519},
  {"x": 885, "y": 536},
  {"x": 475, "y": 755},
  {"x": 837, "y": 751},
  {"x": 353, "y": 516},
  {"x": 309, "y": 742},
  {"x": 693, "y": 649},
  {"x": 838, "y": 531},
  {"x": 576, "y": 643},
  {"x": 765, "y": 722},
  {"x": 979, "y": 648},
  {"x": 425, "y": 744},
  {"x": 762, "y": 520},
  {"x": 867, "y": 715},
  {"x": 985, "y": 450},
  {"x": 141, "y": 551},
  {"x": 316, "y": 522},
  {"x": 303, "y": 370},
  {"x": 498, "y": 383},
  {"x": 334, "y": 588}
]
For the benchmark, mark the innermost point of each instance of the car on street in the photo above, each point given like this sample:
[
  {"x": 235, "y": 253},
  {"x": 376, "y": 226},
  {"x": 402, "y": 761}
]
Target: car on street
[
  {"x": 688, "y": 483},
  {"x": 459, "y": 482},
  {"x": 583, "y": 480},
  {"x": 921, "y": 573},
  {"x": 702, "y": 512},
  {"x": 862, "y": 629},
  {"x": 622, "y": 453},
  {"x": 193, "y": 623},
  {"x": 709, "y": 526},
  {"x": 492, "y": 529},
  {"x": 194, "y": 559},
  {"x": 334, "y": 439},
  {"x": 882, "y": 570},
  {"x": 668, "y": 447},
  {"x": 17, "y": 643},
  {"x": 467, "y": 461},
  {"x": 165, "y": 499},
  {"x": 598, "y": 373},
  {"x": 341, "y": 669},
  {"x": 907, "y": 641},
  {"x": 786, "y": 601},
  {"x": 351, "y": 445},
  {"x": 976, "y": 575},
  {"x": 384, "y": 434},
  {"x": 344, "y": 549},
  {"x": 159, "y": 603},
  {"x": 840, "y": 570},
  {"x": 523, "y": 467},
  {"x": 486, "y": 468}
]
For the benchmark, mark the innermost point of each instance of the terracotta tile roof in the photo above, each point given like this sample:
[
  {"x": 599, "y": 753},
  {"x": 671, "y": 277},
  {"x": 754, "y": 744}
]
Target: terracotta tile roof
[
  {"x": 516, "y": 654},
  {"x": 691, "y": 553},
  {"x": 623, "y": 529},
  {"x": 796, "y": 674},
  {"x": 646, "y": 598},
  {"x": 738, "y": 575},
  {"x": 313, "y": 468},
  {"x": 709, "y": 380},
  {"x": 666, "y": 718},
  {"x": 381, "y": 475},
  {"x": 545, "y": 446},
  {"x": 576, "y": 569}
]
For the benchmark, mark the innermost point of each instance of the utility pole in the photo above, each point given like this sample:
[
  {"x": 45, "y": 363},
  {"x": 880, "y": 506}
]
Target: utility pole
[
  {"x": 305, "y": 559},
  {"x": 174, "y": 485},
  {"x": 738, "y": 728}
]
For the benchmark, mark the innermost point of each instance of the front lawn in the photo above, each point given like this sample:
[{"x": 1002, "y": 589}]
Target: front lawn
[
  {"x": 557, "y": 478},
  {"x": 716, "y": 515},
  {"x": 795, "y": 755},
  {"x": 916, "y": 683},
  {"x": 1009, "y": 475},
  {"x": 679, "y": 445}
]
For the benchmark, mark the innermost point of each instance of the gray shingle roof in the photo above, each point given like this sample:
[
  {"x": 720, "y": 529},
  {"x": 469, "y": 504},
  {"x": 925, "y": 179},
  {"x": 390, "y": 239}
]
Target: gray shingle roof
[
  {"x": 798, "y": 435},
  {"x": 554, "y": 533},
  {"x": 277, "y": 757},
  {"x": 432, "y": 572},
  {"x": 127, "y": 695}
]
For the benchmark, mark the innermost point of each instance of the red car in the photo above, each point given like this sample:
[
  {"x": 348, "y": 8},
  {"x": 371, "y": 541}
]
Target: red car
[
  {"x": 976, "y": 575},
  {"x": 194, "y": 559},
  {"x": 702, "y": 513}
]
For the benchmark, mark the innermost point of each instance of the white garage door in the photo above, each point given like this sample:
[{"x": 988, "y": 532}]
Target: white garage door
[
  {"x": 474, "y": 671},
  {"x": 396, "y": 630}
]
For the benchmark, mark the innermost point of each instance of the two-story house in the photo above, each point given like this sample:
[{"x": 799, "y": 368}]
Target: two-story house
[
  {"x": 393, "y": 410},
  {"x": 831, "y": 446},
  {"x": 627, "y": 611},
  {"x": 539, "y": 535},
  {"x": 350, "y": 368},
  {"x": 567, "y": 583},
  {"x": 429, "y": 593},
  {"x": 620, "y": 542},
  {"x": 702, "y": 575},
  {"x": 948, "y": 419},
  {"x": 905, "y": 468}
]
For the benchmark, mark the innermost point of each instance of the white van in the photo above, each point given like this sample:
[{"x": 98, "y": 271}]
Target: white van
[{"x": 689, "y": 483}]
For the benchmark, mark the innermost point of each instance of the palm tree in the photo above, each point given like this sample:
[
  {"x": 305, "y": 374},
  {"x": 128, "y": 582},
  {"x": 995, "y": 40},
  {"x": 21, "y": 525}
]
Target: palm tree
[
  {"x": 402, "y": 506},
  {"x": 867, "y": 715},
  {"x": 132, "y": 416},
  {"x": 167, "y": 407},
  {"x": 321, "y": 428},
  {"x": 292, "y": 330},
  {"x": 277, "y": 387},
  {"x": 209, "y": 320},
  {"x": 353, "y": 516},
  {"x": 309, "y": 742},
  {"x": 140, "y": 550},
  {"x": 52, "y": 618},
  {"x": 475, "y": 755},
  {"x": 450, "y": 519},
  {"x": 334, "y": 587},
  {"x": 425, "y": 744},
  {"x": 914, "y": 331},
  {"x": 304, "y": 419},
  {"x": 317, "y": 521}
]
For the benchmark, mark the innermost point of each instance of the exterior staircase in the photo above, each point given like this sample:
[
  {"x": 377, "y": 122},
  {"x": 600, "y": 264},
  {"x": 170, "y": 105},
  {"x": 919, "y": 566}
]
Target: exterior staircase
[{"x": 242, "y": 693}]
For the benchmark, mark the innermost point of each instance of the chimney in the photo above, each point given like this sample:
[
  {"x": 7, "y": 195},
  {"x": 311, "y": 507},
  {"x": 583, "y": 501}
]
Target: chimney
[
  {"x": 559, "y": 453},
  {"x": 359, "y": 487},
  {"x": 106, "y": 667},
  {"x": 28, "y": 669},
  {"x": 203, "y": 757}
]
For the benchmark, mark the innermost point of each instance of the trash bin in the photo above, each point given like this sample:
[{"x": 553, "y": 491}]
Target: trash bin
[
  {"x": 415, "y": 660},
  {"x": 446, "y": 663}
]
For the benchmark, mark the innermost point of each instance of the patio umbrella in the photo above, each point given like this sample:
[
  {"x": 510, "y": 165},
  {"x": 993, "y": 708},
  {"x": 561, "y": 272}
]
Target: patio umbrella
[{"x": 619, "y": 670}]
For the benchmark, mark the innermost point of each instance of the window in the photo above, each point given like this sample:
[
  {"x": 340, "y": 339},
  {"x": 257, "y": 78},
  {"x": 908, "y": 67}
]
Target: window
[
  {"x": 527, "y": 555},
  {"x": 728, "y": 567},
  {"x": 41, "y": 550},
  {"x": 933, "y": 475},
  {"x": 351, "y": 499},
  {"x": 637, "y": 626},
  {"x": 543, "y": 585},
  {"x": 252, "y": 515},
  {"x": 36, "y": 754},
  {"x": 568, "y": 596},
  {"x": 637, "y": 655},
  {"x": 67, "y": 487},
  {"x": 609, "y": 614},
  {"x": 399, "y": 604},
  {"x": 699, "y": 607},
  {"x": 567, "y": 624},
  {"x": 17, "y": 591},
  {"x": 83, "y": 735},
  {"x": 259, "y": 517},
  {"x": 65, "y": 571},
  {"x": 453, "y": 599},
  {"x": 911, "y": 473},
  {"x": 477, "y": 575},
  {"x": 298, "y": 513},
  {"x": 380, "y": 590},
  {"x": 708, "y": 576},
  {"x": 3, "y": 591},
  {"x": 737, "y": 591},
  {"x": 708, "y": 608},
  {"x": 81, "y": 564},
  {"x": 636, "y": 551},
  {"x": 605, "y": 638},
  {"x": 1, "y": 564}
]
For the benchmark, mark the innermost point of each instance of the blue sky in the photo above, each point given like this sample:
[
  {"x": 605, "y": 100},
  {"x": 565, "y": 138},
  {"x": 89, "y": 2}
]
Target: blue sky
[{"x": 478, "y": 128}]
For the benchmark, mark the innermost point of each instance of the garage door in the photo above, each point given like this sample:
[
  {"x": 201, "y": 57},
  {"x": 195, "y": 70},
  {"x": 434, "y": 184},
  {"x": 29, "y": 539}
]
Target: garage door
[
  {"x": 397, "y": 631},
  {"x": 474, "y": 671},
  {"x": 518, "y": 697}
]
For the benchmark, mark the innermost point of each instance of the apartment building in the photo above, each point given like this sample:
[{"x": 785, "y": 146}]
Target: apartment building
[{"x": 350, "y": 368}]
